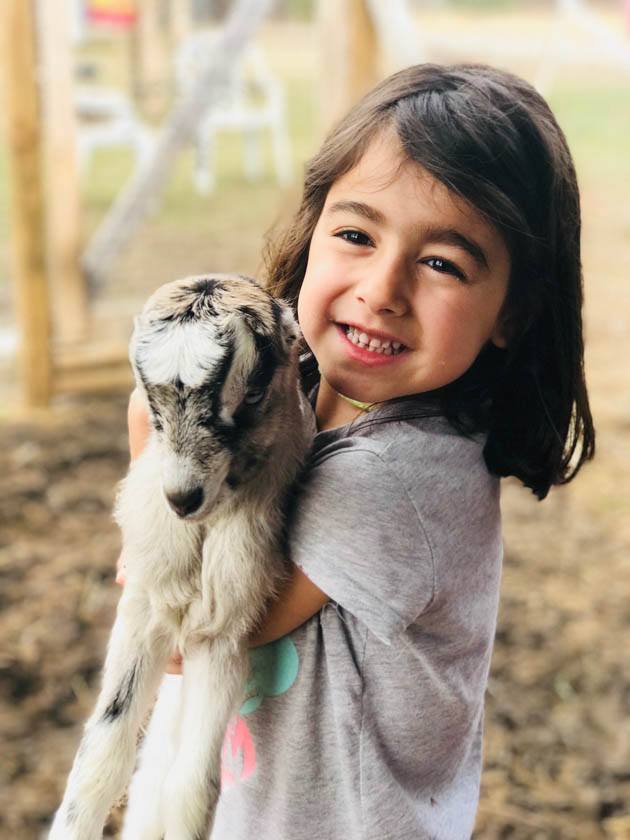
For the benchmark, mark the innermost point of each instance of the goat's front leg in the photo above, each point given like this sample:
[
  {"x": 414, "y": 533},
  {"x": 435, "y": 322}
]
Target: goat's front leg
[
  {"x": 133, "y": 668},
  {"x": 213, "y": 684},
  {"x": 147, "y": 792}
]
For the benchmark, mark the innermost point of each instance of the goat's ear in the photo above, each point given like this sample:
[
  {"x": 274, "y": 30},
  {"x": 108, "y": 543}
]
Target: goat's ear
[
  {"x": 133, "y": 341},
  {"x": 291, "y": 332}
]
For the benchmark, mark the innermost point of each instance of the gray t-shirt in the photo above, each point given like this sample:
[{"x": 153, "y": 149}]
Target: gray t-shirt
[{"x": 365, "y": 723}]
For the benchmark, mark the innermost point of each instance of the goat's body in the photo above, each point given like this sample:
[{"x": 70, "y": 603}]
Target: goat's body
[{"x": 200, "y": 586}]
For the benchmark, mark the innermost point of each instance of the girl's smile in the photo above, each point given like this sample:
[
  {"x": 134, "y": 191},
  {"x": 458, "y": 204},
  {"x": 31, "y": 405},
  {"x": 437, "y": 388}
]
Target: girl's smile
[
  {"x": 368, "y": 348},
  {"x": 404, "y": 284}
]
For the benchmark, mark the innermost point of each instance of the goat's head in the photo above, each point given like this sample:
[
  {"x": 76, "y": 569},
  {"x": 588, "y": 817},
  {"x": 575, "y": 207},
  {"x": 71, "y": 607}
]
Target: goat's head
[{"x": 216, "y": 358}]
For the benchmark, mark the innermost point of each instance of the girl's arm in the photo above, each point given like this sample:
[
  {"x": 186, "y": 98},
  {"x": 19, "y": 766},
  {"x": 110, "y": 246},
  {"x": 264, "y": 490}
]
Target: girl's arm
[{"x": 298, "y": 600}]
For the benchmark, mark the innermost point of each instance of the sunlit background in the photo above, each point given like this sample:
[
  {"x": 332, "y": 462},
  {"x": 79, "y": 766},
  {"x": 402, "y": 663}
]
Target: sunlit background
[{"x": 112, "y": 75}]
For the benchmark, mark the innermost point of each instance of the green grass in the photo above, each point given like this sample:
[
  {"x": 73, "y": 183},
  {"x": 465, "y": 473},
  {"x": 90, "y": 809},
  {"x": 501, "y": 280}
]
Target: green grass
[{"x": 596, "y": 121}]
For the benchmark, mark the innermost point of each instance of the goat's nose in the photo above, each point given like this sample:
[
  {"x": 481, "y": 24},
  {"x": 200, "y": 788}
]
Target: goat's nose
[{"x": 185, "y": 503}]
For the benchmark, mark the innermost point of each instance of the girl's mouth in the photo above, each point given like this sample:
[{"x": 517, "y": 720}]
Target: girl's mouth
[
  {"x": 376, "y": 345},
  {"x": 369, "y": 349}
]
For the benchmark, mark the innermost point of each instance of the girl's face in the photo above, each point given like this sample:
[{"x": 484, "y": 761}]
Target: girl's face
[{"x": 404, "y": 282}]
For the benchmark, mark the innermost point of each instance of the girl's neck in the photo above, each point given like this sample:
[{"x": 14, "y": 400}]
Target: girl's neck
[{"x": 333, "y": 409}]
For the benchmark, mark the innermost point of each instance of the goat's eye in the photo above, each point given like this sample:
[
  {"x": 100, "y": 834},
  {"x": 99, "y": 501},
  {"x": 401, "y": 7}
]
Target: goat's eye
[{"x": 254, "y": 396}]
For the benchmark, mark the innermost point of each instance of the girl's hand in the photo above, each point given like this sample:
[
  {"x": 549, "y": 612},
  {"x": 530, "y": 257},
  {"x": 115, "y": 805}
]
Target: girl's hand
[
  {"x": 174, "y": 664},
  {"x": 139, "y": 427}
]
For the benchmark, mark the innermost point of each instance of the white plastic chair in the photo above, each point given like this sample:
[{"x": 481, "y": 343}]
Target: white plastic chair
[
  {"x": 253, "y": 103},
  {"x": 107, "y": 119}
]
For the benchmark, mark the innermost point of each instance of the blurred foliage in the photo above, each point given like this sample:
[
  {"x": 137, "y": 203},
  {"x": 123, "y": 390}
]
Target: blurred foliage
[
  {"x": 478, "y": 5},
  {"x": 298, "y": 9}
]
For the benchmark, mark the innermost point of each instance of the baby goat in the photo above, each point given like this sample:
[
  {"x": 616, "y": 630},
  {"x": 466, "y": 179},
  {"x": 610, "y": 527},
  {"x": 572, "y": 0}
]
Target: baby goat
[{"x": 201, "y": 513}]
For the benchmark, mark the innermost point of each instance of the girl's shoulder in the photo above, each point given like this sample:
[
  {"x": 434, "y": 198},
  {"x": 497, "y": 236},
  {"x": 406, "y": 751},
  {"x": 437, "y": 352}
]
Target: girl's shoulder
[
  {"x": 435, "y": 467},
  {"x": 414, "y": 491},
  {"x": 403, "y": 439}
]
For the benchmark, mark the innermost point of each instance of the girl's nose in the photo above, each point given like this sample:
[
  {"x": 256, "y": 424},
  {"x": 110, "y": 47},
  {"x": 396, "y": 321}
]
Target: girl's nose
[{"x": 383, "y": 287}]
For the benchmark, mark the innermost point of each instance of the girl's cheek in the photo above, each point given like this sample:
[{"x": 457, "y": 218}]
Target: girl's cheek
[
  {"x": 300, "y": 309},
  {"x": 306, "y": 312}
]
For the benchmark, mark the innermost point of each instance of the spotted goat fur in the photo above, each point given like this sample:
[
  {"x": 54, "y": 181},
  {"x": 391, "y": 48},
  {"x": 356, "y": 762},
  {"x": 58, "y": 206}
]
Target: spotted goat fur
[{"x": 201, "y": 513}]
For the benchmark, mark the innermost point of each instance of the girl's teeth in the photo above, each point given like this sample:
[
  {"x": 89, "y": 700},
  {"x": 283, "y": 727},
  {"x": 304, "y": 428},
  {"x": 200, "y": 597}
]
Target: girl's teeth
[{"x": 374, "y": 344}]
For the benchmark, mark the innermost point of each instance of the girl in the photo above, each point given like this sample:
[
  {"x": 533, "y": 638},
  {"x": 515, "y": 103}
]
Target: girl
[{"x": 434, "y": 264}]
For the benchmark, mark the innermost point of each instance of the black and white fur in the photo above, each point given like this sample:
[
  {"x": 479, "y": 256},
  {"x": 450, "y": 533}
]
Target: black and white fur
[{"x": 201, "y": 513}]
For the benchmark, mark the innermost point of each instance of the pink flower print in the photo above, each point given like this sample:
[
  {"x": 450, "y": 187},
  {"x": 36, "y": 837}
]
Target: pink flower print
[{"x": 238, "y": 757}]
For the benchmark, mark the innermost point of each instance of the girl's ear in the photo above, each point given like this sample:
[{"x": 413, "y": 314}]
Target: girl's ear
[
  {"x": 499, "y": 335},
  {"x": 503, "y": 330}
]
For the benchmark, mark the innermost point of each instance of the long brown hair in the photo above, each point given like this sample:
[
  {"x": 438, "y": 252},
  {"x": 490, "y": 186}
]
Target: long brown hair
[{"x": 491, "y": 139}]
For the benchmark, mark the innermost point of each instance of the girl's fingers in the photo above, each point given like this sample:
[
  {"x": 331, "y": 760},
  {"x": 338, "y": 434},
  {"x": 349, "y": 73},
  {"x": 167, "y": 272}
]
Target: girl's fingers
[{"x": 174, "y": 664}]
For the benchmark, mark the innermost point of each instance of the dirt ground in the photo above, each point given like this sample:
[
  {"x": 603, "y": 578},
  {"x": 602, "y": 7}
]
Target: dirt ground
[{"x": 557, "y": 746}]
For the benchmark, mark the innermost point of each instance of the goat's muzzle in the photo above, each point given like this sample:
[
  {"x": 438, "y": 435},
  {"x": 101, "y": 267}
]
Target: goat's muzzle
[{"x": 185, "y": 503}]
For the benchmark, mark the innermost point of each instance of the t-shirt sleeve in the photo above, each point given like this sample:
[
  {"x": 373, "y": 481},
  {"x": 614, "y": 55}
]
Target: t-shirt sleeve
[{"x": 357, "y": 535}]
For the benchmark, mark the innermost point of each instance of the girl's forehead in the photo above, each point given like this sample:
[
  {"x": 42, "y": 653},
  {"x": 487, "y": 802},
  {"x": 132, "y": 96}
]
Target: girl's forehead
[{"x": 385, "y": 175}]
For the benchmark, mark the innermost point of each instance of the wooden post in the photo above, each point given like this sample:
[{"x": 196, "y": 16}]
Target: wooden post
[
  {"x": 63, "y": 204},
  {"x": 350, "y": 55},
  {"x": 23, "y": 119},
  {"x": 150, "y": 60}
]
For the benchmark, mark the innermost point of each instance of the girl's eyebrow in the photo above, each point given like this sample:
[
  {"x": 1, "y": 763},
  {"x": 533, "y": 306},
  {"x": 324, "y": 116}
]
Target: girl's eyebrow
[
  {"x": 434, "y": 233},
  {"x": 451, "y": 236},
  {"x": 370, "y": 213}
]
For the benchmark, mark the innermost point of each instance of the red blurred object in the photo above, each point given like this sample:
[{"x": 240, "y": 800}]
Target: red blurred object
[{"x": 118, "y": 13}]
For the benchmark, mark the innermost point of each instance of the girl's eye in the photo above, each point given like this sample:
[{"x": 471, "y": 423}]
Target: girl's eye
[
  {"x": 445, "y": 267},
  {"x": 355, "y": 237}
]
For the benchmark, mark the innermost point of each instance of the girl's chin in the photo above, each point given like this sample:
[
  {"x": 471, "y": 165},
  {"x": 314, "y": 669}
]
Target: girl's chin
[{"x": 351, "y": 387}]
